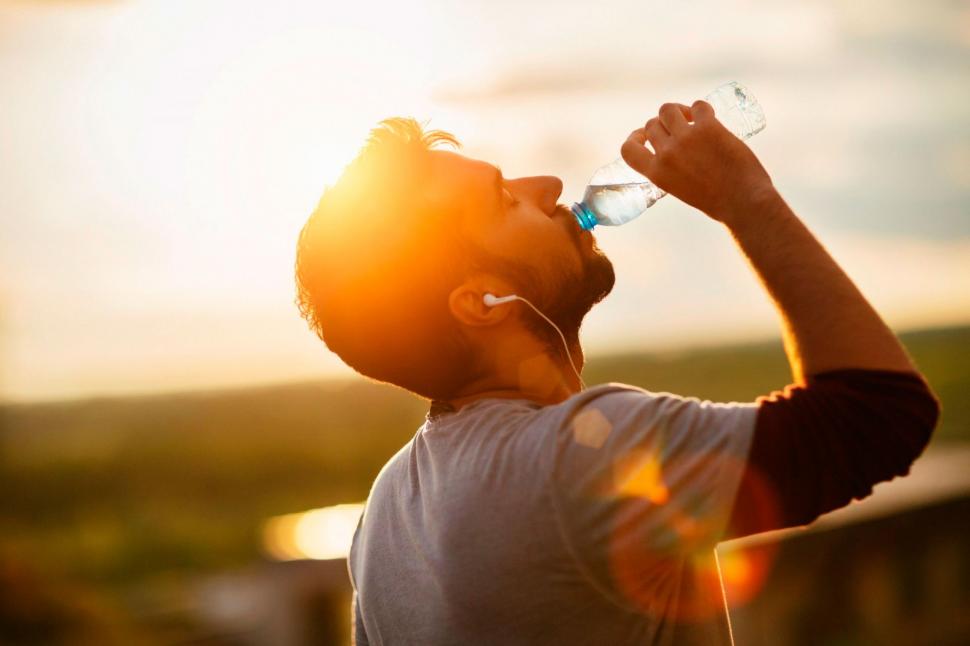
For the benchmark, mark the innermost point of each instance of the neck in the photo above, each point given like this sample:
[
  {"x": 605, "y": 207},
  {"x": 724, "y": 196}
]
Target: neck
[{"x": 537, "y": 375}]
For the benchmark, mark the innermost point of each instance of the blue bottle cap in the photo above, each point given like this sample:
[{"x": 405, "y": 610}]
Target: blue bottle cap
[{"x": 585, "y": 217}]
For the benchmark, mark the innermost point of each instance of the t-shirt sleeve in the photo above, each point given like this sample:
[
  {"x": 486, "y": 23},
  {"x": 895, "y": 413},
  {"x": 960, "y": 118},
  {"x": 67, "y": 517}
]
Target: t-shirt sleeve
[
  {"x": 642, "y": 481},
  {"x": 818, "y": 446}
]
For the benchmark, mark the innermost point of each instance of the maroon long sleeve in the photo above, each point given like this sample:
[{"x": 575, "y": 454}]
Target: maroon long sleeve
[{"x": 819, "y": 446}]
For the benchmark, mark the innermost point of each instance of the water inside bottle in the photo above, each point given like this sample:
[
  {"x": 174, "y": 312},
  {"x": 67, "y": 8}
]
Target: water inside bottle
[
  {"x": 617, "y": 194},
  {"x": 621, "y": 202}
]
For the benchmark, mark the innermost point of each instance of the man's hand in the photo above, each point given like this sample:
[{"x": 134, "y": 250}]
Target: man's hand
[
  {"x": 828, "y": 324},
  {"x": 698, "y": 160}
]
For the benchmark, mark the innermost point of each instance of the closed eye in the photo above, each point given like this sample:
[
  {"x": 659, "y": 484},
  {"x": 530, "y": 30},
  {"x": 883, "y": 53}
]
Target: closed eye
[
  {"x": 510, "y": 199},
  {"x": 506, "y": 197}
]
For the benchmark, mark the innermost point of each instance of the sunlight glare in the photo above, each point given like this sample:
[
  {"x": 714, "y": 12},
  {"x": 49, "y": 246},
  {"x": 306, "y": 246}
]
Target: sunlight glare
[
  {"x": 639, "y": 474},
  {"x": 324, "y": 533}
]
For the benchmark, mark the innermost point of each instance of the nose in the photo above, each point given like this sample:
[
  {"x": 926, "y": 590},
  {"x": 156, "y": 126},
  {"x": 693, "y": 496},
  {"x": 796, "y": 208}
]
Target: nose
[{"x": 543, "y": 190}]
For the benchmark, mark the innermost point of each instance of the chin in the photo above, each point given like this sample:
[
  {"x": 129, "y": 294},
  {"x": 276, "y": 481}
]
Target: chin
[
  {"x": 599, "y": 276},
  {"x": 595, "y": 284}
]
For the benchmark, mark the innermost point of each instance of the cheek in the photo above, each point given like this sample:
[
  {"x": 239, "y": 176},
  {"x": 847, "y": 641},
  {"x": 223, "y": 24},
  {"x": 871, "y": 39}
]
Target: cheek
[
  {"x": 533, "y": 238},
  {"x": 549, "y": 241},
  {"x": 557, "y": 257},
  {"x": 519, "y": 237}
]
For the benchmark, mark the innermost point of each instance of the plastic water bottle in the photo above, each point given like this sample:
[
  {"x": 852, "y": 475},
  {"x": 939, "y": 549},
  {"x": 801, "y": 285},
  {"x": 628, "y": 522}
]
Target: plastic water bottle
[{"x": 617, "y": 194}]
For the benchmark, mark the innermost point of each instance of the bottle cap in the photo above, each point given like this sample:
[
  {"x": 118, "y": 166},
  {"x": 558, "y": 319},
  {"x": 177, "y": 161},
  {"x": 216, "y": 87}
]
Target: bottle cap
[{"x": 585, "y": 217}]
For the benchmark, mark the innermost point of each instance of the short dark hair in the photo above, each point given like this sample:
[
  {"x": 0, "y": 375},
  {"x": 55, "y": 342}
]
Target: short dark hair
[{"x": 375, "y": 263}]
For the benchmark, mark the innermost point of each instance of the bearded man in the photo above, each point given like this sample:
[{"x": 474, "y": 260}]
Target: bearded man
[{"x": 529, "y": 509}]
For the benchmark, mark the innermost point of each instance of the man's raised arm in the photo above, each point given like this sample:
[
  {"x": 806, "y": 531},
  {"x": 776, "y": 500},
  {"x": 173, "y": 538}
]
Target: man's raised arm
[
  {"x": 858, "y": 413},
  {"x": 828, "y": 323}
]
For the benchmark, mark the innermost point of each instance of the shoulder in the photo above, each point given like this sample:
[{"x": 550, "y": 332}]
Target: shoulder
[
  {"x": 648, "y": 461},
  {"x": 391, "y": 473},
  {"x": 609, "y": 431},
  {"x": 590, "y": 416}
]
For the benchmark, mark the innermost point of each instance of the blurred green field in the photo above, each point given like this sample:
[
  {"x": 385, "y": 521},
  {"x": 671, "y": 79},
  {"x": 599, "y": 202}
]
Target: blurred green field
[{"x": 107, "y": 494}]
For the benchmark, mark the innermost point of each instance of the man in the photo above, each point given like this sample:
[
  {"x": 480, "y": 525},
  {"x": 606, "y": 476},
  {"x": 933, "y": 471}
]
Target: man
[{"x": 527, "y": 509}]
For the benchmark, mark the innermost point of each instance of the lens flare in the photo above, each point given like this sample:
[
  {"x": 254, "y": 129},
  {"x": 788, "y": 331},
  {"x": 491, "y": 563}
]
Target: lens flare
[{"x": 324, "y": 533}]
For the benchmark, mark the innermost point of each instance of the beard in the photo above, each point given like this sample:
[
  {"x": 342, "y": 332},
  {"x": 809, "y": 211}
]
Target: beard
[
  {"x": 567, "y": 298},
  {"x": 559, "y": 291}
]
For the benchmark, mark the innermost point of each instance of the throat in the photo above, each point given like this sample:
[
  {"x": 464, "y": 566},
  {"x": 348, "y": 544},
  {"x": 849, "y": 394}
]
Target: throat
[{"x": 536, "y": 378}]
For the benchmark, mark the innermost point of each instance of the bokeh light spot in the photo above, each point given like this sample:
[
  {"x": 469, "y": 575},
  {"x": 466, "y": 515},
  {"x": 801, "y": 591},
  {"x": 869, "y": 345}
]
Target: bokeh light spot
[
  {"x": 324, "y": 533},
  {"x": 591, "y": 428},
  {"x": 639, "y": 474}
]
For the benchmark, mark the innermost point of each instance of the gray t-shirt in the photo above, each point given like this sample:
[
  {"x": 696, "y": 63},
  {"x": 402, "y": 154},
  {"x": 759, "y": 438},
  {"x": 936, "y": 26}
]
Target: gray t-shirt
[{"x": 592, "y": 521}]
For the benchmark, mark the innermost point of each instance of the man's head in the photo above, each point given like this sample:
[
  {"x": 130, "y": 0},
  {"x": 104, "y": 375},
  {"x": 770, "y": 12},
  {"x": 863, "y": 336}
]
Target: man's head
[{"x": 393, "y": 264}]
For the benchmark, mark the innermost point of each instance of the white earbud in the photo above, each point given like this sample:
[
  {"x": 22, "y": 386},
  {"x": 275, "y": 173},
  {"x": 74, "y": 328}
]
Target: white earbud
[{"x": 492, "y": 300}]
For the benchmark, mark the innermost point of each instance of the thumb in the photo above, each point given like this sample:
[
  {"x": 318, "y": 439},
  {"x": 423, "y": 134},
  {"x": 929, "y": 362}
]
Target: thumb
[{"x": 635, "y": 152}]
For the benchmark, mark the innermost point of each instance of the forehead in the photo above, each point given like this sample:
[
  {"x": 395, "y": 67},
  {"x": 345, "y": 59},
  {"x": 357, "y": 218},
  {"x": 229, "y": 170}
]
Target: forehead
[
  {"x": 470, "y": 185},
  {"x": 455, "y": 168}
]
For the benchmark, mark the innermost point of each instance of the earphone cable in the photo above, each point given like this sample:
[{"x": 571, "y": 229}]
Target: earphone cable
[{"x": 569, "y": 355}]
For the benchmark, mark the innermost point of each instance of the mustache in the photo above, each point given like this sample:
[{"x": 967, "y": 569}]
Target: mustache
[{"x": 572, "y": 227}]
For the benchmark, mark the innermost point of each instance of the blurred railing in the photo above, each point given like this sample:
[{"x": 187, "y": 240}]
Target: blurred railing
[{"x": 887, "y": 570}]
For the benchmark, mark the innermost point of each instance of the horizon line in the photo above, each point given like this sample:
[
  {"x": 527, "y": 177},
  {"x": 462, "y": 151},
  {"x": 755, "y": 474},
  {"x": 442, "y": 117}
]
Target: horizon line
[{"x": 347, "y": 380}]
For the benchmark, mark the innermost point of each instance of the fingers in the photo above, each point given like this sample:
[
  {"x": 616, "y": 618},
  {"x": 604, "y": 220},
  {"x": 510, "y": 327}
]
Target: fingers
[
  {"x": 635, "y": 152},
  {"x": 657, "y": 135},
  {"x": 674, "y": 117},
  {"x": 701, "y": 111}
]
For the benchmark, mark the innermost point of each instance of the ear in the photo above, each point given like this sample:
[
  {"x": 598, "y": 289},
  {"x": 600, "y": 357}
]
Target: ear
[{"x": 467, "y": 303}]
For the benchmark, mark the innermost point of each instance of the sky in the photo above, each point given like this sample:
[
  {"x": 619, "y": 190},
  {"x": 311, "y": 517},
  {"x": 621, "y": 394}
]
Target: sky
[{"x": 158, "y": 158}]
